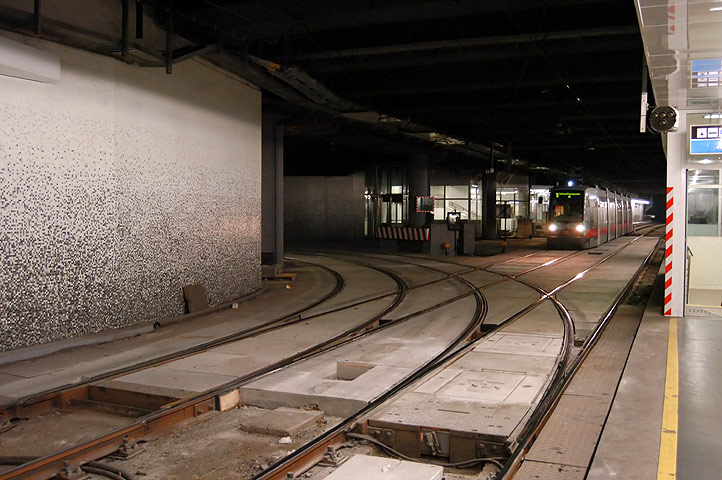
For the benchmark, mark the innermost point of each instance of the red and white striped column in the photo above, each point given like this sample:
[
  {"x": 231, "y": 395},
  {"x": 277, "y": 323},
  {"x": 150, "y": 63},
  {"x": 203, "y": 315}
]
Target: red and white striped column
[{"x": 669, "y": 237}]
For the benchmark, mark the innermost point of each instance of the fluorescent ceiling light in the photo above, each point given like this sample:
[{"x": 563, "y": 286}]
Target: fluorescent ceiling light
[
  {"x": 715, "y": 9},
  {"x": 713, "y": 115}
]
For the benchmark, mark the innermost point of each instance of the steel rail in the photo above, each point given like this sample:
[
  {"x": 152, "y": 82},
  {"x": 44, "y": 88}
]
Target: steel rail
[
  {"x": 103, "y": 445},
  {"x": 287, "y": 319},
  {"x": 308, "y": 455},
  {"x": 551, "y": 398},
  {"x": 311, "y": 453}
]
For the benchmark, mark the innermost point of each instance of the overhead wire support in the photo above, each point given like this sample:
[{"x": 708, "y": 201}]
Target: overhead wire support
[{"x": 564, "y": 82}]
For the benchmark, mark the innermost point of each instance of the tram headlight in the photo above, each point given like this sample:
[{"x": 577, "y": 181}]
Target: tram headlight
[
  {"x": 553, "y": 227},
  {"x": 580, "y": 228}
]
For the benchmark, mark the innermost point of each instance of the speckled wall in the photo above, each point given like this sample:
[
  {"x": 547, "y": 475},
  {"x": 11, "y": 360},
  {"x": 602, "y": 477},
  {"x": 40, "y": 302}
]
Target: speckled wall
[{"x": 119, "y": 185}]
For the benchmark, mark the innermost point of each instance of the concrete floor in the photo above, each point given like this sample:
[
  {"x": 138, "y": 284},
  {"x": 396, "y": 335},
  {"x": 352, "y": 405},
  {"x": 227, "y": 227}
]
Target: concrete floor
[
  {"x": 381, "y": 360},
  {"x": 700, "y": 398}
]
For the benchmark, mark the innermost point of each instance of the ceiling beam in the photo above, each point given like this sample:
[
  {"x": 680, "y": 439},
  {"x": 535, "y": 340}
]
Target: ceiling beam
[
  {"x": 470, "y": 43},
  {"x": 425, "y": 89},
  {"x": 486, "y": 107},
  {"x": 441, "y": 58},
  {"x": 386, "y": 13}
]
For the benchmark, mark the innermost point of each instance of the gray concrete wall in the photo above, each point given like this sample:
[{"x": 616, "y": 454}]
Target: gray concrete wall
[
  {"x": 323, "y": 209},
  {"x": 119, "y": 185}
]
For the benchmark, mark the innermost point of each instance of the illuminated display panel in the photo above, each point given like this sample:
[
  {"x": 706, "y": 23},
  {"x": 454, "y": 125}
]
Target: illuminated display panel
[
  {"x": 706, "y": 73},
  {"x": 705, "y": 140}
]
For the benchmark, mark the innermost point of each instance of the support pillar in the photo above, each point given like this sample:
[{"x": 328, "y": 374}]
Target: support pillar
[
  {"x": 272, "y": 196},
  {"x": 675, "y": 240},
  {"x": 418, "y": 174},
  {"x": 488, "y": 206}
]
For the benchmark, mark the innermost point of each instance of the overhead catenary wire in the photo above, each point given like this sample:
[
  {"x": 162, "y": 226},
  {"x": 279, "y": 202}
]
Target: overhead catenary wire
[{"x": 565, "y": 83}]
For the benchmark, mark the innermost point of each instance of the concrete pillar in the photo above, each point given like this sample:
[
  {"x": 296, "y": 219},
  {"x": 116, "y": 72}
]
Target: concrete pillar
[
  {"x": 675, "y": 216},
  {"x": 272, "y": 193},
  {"x": 488, "y": 206},
  {"x": 418, "y": 175}
]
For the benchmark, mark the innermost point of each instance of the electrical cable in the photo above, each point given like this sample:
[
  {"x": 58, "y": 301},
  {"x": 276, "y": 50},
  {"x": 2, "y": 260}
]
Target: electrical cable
[
  {"x": 97, "y": 468},
  {"x": 112, "y": 468},
  {"x": 102, "y": 472},
  {"x": 387, "y": 449}
]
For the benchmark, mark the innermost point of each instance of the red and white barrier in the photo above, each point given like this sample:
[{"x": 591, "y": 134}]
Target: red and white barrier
[
  {"x": 404, "y": 233},
  {"x": 668, "y": 254}
]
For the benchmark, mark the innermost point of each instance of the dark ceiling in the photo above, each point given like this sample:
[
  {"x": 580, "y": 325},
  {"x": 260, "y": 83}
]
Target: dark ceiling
[{"x": 554, "y": 83}]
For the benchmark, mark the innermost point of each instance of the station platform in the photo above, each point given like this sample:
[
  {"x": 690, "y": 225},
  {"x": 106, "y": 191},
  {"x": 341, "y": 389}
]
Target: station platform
[{"x": 659, "y": 419}]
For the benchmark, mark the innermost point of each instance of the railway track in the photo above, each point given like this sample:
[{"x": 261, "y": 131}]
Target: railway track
[
  {"x": 304, "y": 458},
  {"x": 190, "y": 407},
  {"x": 194, "y": 405}
]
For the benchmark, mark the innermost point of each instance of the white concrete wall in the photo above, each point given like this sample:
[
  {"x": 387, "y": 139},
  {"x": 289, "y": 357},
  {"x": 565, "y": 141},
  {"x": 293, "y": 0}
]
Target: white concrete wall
[
  {"x": 706, "y": 267},
  {"x": 323, "y": 209},
  {"x": 119, "y": 185}
]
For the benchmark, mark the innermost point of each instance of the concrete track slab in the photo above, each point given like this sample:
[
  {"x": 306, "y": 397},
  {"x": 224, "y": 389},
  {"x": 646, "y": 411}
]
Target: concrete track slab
[
  {"x": 265, "y": 347},
  {"x": 361, "y": 283},
  {"x": 502, "y": 362},
  {"x": 428, "y": 296},
  {"x": 321, "y": 387},
  {"x": 440, "y": 263},
  {"x": 213, "y": 368},
  {"x": 282, "y": 422},
  {"x": 481, "y": 278},
  {"x": 365, "y": 467},
  {"x": 167, "y": 377},
  {"x": 495, "y": 421},
  {"x": 394, "y": 352},
  {"x": 506, "y": 299},
  {"x": 488, "y": 391},
  {"x": 216, "y": 363},
  {"x": 521, "y": 344}
]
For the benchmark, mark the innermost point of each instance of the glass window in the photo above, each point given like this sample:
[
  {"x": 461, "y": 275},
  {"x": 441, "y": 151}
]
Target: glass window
[
  {"x": 475, "y": 213},
  {"x": 702, "y": 211},
  {"x": 703, "y": 203},
  {"x": 437, "y": 191},
  {"x": 457, "y": 191},
  {"x": 457, "y": 206},
  {"x": 702, "y": 177}
]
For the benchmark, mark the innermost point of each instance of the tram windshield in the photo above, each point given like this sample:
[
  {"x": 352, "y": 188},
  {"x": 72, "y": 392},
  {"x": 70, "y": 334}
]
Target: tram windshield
[{"x": 568, "y": 206}]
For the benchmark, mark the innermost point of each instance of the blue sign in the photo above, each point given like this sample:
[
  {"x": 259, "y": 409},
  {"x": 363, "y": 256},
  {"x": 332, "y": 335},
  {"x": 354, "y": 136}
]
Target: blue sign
[
  {"x": 705, "y": 140},
  {"x": 706, "y": 73}
]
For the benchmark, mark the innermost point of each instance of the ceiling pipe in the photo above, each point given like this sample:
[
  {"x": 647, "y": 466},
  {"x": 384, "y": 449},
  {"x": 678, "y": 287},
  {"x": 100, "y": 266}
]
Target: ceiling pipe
[{"x": 320, "y": 94}]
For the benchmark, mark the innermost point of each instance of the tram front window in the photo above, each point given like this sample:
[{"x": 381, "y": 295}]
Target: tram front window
[{"x": 568, "y": 207}]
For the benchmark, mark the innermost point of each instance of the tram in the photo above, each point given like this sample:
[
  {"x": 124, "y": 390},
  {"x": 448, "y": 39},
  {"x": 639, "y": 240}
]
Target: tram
[{"x": 585, "y": 217}]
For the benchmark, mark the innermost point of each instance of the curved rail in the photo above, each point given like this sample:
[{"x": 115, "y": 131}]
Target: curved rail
[
  {"x": 107, "y": 443},
  {"x": 287, "y": 319},
  {"x": 308, "y": 455},
  {"x": 551, "y": 397}
]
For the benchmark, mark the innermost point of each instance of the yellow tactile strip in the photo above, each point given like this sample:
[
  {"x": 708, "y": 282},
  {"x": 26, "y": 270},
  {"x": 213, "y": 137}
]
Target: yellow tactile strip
[{"x": 667, "y": 467}]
